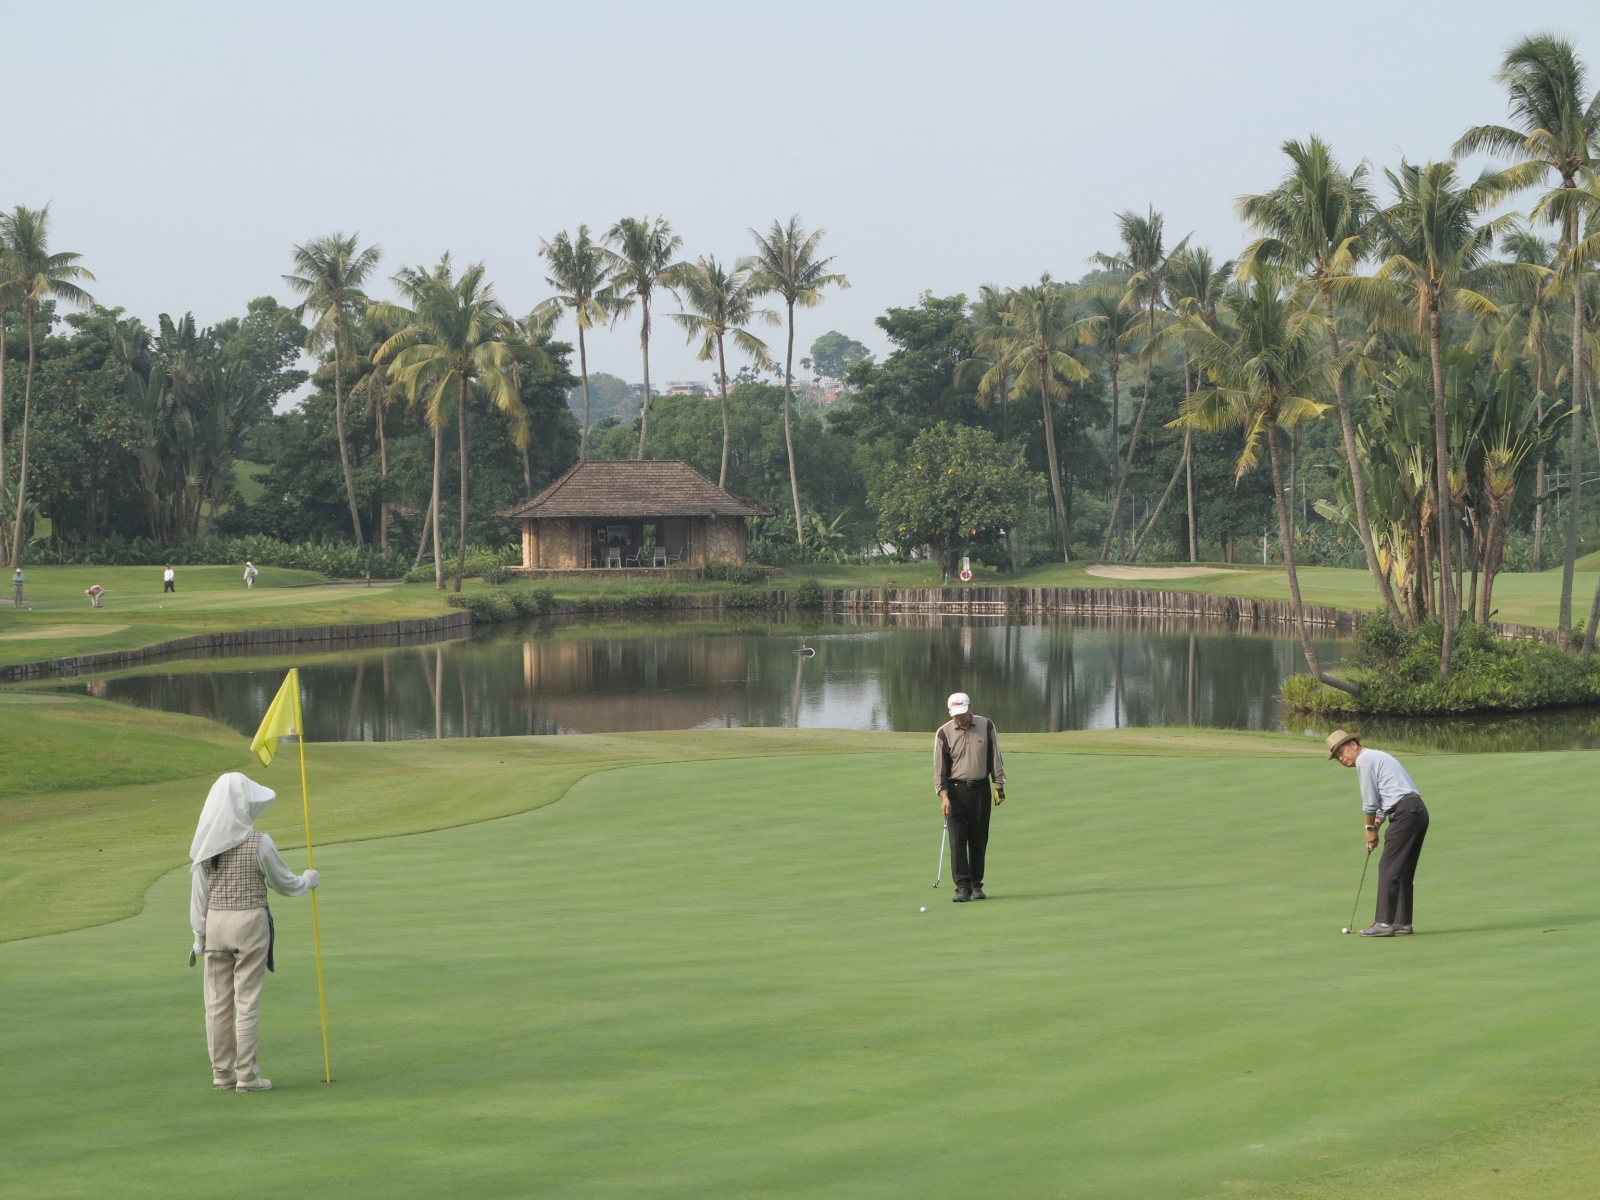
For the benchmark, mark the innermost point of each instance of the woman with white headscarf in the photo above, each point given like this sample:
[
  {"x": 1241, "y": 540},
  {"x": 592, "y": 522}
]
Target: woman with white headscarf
[{"x": 233, "y": 864}]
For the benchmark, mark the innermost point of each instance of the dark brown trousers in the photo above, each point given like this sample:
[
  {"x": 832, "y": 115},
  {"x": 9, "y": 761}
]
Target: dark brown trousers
[{"x": 1402, "y": 847}]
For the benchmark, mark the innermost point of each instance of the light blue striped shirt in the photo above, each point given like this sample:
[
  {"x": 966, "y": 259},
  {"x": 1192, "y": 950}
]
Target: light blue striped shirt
[{"x": 1383, "y": 781}]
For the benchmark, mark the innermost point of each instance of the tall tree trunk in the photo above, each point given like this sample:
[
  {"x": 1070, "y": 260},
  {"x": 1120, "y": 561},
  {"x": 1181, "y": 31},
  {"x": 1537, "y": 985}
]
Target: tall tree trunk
[
  {"x": 422, "y": 540},
  {"x": 461, "y": 433},
  {"x": 583, "y": 368},
  {"x": 5, "y": 328},
  {"x": 1569, "y": 557},
  {"x": 1124, "y": 467},
  {"x": 1160, "y": 504},
  {"x": 788, "y": 436},
  {"x": 1294, "y": 577},
  {"x": 1114, "y": 366},
  {"x": 644, "y": 347},
  {"x": 22, "y": 473},
  {"x": 1358, "y": 485},
  {"x": 1441, "y": 451},
  {"x": 438, "y": 463},
  {"x": 383, "y": 471},
  {"x": 1050, "y": 455},
  {"x": 344, "y": 453},
  {"x": 1538, "y": 478},
  {"x": 722, "y": 369},
  {"x": 1490, "y": 563},
  {"x": 1188, "y": 477}
]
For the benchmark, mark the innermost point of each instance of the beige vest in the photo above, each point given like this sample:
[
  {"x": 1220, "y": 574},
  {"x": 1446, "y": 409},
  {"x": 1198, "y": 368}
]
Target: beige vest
[{"x": 236, "y": 881}]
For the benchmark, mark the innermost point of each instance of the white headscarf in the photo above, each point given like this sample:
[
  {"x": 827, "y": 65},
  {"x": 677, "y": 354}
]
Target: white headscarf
[{"x": 232, "y": 808}]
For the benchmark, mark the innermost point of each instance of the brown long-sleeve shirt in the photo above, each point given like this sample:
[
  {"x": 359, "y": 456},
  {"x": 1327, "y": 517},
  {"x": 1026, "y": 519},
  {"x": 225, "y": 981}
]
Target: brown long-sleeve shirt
[{"x": 971, "y": 753}]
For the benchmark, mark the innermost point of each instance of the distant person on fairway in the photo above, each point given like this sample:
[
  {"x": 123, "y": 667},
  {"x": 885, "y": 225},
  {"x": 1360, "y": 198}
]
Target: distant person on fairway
[
  {"x": 169, "y": 580},
  {"x": 1387, "y": 793},
  {"x": 250, "y": 574},
  {"x": 94, "y": 591},
  {"x": 16, "y": 588},
  {"x": 966, "y": 755},
  {"x": 232, "y": 867}
]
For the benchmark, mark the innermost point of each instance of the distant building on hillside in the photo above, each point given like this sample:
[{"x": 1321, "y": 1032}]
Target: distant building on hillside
[{"x": 679, "y": 387}]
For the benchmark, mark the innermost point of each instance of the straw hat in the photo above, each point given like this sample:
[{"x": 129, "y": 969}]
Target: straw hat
[{"x": 1337, "y": 739}]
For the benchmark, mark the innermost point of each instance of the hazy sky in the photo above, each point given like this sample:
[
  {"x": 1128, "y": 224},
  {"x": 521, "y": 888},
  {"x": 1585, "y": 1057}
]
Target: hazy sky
[{"x": 186, "y": 147}]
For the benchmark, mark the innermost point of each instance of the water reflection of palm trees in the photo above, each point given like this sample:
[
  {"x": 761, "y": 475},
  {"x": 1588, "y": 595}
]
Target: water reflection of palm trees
[{"x": 1070, "y": 672}]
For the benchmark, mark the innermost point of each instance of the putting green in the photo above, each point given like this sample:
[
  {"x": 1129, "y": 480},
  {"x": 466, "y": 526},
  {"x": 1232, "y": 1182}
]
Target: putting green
[{"x": 711, "y": 979}]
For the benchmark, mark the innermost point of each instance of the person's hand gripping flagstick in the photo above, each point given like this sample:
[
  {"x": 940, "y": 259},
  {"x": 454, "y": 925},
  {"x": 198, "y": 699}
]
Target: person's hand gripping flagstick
[{"x": 284, "y": 719}]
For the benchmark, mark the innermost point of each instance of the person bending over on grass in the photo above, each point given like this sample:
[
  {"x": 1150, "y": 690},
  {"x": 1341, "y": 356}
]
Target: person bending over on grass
[
  {"x": 94, "y": 591},
  {"x": 966, "y": 755},
  {"x": 1387, "y": 793},
  {"x": 233, "y": 865}
]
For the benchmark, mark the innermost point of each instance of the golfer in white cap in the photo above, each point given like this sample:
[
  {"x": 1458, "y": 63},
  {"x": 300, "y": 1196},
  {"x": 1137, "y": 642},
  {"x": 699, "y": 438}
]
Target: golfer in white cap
[
  {"x": 966, "y": 756},
  {"x": 233, "y": 865}
]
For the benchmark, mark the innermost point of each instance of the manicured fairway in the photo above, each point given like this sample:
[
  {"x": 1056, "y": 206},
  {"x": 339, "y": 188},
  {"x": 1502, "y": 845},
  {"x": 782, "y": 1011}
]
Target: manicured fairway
[{"x": 710, "y": 979}]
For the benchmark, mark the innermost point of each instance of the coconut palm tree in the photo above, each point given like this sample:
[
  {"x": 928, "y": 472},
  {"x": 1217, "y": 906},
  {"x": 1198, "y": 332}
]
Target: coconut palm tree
[
  {"x": 1558, "y": 133},
  {"x": 329, "y": 273},
  {"x": 1316, "y": 222},
  {"x": 1109, "y": 329},
  {"x": 32, "y": 276},
  {"x": 1266, "y": 369},
  {"x": 579, "y": 272},
  {"x": 1436, "y": 249},
  {"x": 1195, "y": 289},
  {"x": 786, "y": 265},
  {"x": 1144, "y": 262},
  {"x": 641, "y": 262},
  {"x": 450, "y": 349},
  {"x": 1521, "y": 333},
  {"x": 1032, "y": 346},
  {"x": 721, "y": 303}
]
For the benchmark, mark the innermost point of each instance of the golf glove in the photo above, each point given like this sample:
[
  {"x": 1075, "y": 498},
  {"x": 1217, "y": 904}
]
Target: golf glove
[
  {"x": 199, "y": 949},
  {"x": 312, "y": 878}
]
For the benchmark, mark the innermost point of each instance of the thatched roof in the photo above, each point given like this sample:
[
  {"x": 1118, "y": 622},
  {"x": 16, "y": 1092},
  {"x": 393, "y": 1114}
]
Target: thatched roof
[{"x": 635, "y": 488}]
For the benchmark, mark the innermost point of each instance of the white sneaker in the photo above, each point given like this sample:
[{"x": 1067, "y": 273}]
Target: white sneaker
[
  {"x": 224, "y": 1085},
  {"x": 253, "y": 1085}
]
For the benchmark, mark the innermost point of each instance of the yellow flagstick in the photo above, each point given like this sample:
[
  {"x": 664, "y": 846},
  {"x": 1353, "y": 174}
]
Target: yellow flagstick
[
  {"x": 282, "y": 719},
  {"x": 316, "y": 929}
]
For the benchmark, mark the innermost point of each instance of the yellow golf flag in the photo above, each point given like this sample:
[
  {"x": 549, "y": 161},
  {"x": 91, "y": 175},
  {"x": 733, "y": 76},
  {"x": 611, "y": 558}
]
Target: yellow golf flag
[{"x": 282, "y": 719}]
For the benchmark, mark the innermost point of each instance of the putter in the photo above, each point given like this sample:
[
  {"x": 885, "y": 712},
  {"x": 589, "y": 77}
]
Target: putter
[
  {"x": 1359, "y": 886},
  {"x": 944, "y": 836}
]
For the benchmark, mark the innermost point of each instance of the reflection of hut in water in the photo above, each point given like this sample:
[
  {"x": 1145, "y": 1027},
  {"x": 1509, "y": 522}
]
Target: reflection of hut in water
[
  {"x": 583, "y": 685},
  {"x": 632, "y": 514}
]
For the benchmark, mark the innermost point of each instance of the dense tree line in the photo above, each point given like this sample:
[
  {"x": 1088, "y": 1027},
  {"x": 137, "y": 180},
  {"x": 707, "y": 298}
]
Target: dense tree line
[{"x": 1395, "y": 373}]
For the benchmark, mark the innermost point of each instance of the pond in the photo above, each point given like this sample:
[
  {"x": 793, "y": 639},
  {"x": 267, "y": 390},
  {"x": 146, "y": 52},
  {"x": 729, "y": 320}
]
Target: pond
[{"x": 887, "y": 673}]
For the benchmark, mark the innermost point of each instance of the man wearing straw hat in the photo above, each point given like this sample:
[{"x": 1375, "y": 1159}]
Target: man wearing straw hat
[
  {"x": 233, "y": 865},
  {"x": 1387, "y": 794}
]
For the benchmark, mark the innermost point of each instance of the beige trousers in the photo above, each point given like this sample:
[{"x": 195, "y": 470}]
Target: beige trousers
[{"x": 233, "y": 990}]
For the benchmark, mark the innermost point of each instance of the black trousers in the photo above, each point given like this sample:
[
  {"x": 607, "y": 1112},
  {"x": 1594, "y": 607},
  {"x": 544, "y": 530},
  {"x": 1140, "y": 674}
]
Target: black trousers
[
  {"x": 168, "y": 585},
  {"x": 1402, "y": 847},
  {"x": 968, "y": 823}
]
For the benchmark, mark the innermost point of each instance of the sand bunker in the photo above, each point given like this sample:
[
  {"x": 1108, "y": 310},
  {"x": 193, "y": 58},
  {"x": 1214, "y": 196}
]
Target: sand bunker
[
  {"x": 45, "y": 632},
  {"x": 1106, "y": 571}
]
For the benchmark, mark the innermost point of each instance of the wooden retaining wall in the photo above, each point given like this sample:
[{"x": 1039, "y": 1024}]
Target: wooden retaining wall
[
  {"x": 1093, "y": 601},
  {"x": 314, "y": 638}
]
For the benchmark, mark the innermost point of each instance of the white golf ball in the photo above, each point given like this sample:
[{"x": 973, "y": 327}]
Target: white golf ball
[
  {"x": 1344, "y": 931},
  {"x": 924, "y": 908}
]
